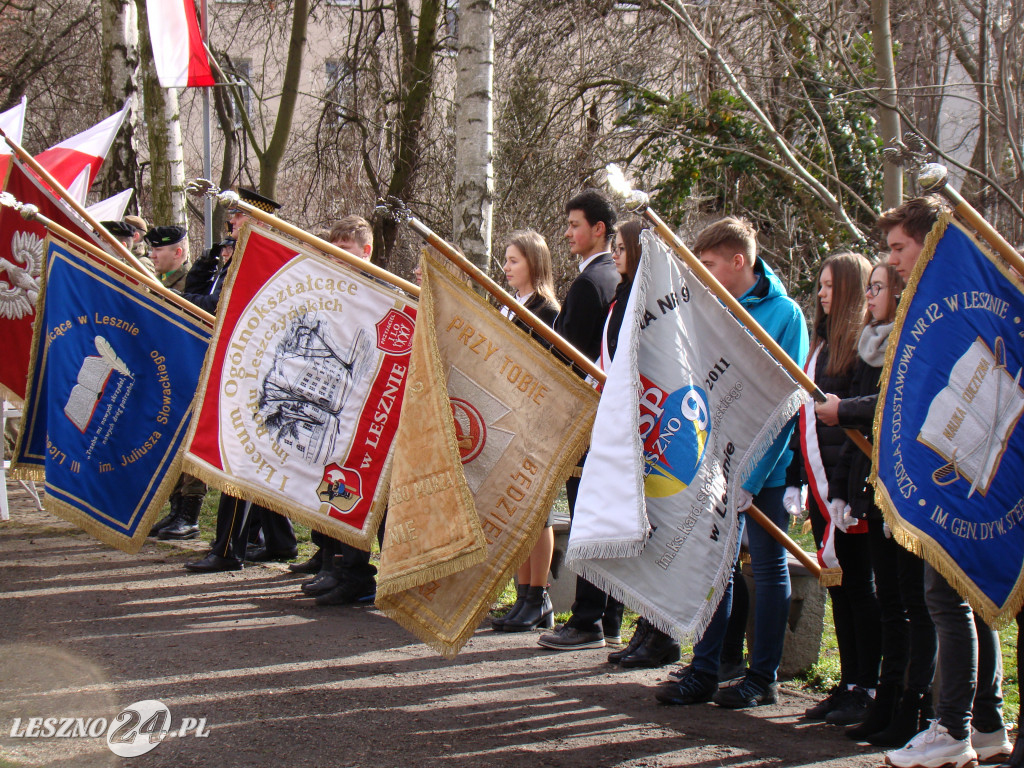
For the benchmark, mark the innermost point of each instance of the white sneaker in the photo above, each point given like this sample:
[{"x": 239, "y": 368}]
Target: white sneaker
[
  {"x": 933, "y": 748},
  {"x": 991, "y": 747}
]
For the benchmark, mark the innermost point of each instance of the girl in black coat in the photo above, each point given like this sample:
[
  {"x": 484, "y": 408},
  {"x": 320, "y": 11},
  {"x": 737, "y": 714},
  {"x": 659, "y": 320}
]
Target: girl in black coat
[
  {"x": 529, "y": 275},
  {"x": 840, "y": 316},
  {"x": 908, "y": 635}
]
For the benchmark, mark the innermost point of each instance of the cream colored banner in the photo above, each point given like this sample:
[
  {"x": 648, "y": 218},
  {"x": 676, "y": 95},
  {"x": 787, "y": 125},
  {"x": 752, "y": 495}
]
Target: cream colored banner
[{"x": 514, "y": 422}]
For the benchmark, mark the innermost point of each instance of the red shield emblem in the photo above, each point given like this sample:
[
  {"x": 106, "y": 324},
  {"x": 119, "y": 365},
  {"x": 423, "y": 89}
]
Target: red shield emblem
[
  {"x": 470, "y": 429},
  {"x": 394, "y": 333},
  {"x": 342, "y": 488}
]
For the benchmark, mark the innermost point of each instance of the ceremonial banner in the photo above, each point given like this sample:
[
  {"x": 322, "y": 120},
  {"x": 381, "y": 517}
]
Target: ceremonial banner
[
  {"x": 21, "y": 259},
  {"x": 299, "y": 402},
  {"x": 691, "y": 404},
  {"x": 949, "y": 457},
  {"x": 113, "y": 373},
  {"x": 491, "y": 428}
]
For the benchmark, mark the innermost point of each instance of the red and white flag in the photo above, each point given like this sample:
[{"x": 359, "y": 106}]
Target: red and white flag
[
  {"x": 85, "y": 150},
  {"x": 111, "y": 209},
  {"x": 12, "y": 123},
  {"x": 178, "y": 49}
]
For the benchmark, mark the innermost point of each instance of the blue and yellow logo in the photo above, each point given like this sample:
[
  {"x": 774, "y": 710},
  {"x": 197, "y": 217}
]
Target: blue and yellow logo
[{"x": 675, "y": 447}]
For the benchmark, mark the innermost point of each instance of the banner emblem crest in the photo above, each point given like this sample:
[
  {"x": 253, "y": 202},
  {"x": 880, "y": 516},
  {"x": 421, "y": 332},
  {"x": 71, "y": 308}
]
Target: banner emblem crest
[
  {"x": 675, "y": 447},
  {"x": 341, "y": 488},
  {"x": 394, "y": 333}
]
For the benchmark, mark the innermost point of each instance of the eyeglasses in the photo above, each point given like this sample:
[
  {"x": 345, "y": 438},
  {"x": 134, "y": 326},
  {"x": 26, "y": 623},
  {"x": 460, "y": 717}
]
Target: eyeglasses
[{"x": 876, "y": 288}]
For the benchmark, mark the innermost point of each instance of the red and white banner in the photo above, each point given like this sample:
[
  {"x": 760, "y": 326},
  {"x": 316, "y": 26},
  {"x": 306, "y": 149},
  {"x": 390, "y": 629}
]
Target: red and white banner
[
  {"x": 12, "y": 123},
  {"x": 298, "y": 406},
  {"x": 21, "y": 259},
  {"x": 816, "y": 478},
  {"x": 178, "y": 50},
  {"x": 111, "y": 209},
  {"x": 85, "y": 150}
]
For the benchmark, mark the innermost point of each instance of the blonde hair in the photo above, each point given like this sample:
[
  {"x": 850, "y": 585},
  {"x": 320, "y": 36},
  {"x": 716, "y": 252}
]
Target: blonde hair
[
  {"x": 538, "y": 259},
  {"x": 728, "y": 236}
]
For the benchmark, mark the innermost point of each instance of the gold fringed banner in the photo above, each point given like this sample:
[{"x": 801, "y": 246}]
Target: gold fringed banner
[{"x": 491, "y": 427}]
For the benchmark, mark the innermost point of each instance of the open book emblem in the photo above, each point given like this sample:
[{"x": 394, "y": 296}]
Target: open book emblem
[
  {"x": 92, "y": 381},
  {"x": 971, "y": 419}
]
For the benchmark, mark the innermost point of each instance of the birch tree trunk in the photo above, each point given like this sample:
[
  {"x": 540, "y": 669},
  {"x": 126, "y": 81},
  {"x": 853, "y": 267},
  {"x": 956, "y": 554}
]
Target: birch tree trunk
[
  {"x": 120, "y": 65},
  {"x": 474, "y": 132},
  {"x": 166, "y": 159},
  {"x": 888, "y": 116}
]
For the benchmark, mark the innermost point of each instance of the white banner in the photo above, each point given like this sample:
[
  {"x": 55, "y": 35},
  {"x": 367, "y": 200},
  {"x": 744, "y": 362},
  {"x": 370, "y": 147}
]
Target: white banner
[{"x": 691, "y": 401}]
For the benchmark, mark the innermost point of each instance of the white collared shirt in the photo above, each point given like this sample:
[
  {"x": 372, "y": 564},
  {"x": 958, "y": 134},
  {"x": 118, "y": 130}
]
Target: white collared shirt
[
  {"x": 586, "y": 261},
  {"x": 521, "y": 299}
]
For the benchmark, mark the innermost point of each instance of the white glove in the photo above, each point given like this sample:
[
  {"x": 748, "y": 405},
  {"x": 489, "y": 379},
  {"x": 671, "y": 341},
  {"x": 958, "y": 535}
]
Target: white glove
[
  {"x": 743, "y": 499},
  {"x": 886, "y": 530},
  {"x": 836, "y": 513},
  {"x": 793, "y": 500},
  {"x": 848, "y": 519}
]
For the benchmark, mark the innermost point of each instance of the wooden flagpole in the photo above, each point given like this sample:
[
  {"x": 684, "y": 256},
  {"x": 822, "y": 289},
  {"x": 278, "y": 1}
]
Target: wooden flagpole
[
  {"x": 638, "y": 202},
  {"x": 542, "y": 329},
  {"x": 58, "y": 188},
  {"x": 31, "y": 213},
  {"x": 933, "y": 177}
]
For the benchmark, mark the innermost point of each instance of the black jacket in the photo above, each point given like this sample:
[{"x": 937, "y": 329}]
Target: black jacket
[
  {"x": 585, "y": 308},
  {"x": 830, "y": 439},
  {"x": 206, "y": 280},
  {"x": 616, "y": 315},
  {"x": 543, "y": 308},
  {"x": 849, "y": 481}
]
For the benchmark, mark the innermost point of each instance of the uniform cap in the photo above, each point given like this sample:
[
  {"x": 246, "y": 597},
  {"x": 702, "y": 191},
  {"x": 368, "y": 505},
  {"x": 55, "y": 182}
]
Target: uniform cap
[{"x": 169, "y": 235}]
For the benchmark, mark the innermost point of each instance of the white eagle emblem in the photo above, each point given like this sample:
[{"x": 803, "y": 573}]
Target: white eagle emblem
[{"x": 19, "y": 285}]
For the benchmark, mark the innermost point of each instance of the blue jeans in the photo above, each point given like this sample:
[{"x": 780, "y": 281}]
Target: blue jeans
[{"x": 771, "y": 601}]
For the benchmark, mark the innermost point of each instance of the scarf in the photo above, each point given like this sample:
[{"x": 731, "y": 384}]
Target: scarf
[{"x": 873, "y": 340}]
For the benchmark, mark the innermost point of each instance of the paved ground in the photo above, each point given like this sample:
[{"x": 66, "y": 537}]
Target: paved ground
[{"x": 86, "y": 630}]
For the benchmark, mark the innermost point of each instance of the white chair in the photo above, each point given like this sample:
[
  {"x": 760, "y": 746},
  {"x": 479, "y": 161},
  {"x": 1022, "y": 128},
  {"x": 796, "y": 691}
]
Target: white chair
[{"x": 11, "y": 412}]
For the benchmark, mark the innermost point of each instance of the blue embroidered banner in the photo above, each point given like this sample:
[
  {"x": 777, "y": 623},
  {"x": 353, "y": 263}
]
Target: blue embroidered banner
[
  {"x": 949, "y": 456},
  {"x": 111, "y": 381}
]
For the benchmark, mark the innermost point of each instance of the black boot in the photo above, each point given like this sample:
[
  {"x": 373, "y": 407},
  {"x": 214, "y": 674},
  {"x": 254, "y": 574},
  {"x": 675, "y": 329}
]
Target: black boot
[
  {"x": 1016, "y": 759},
  {"x": 657, "y": 650},
  {"x": 309, "y": 566},
  {"x": 642, "y": 628},
  {"x": 880, "y": 712},
  {"x": 186, "y": 526},
  {"x": 169, "y": 518},
  {"x": 905, "y": 723},
  {"x": 498, "y": 622},
  {"x": 536, "y": 611}
]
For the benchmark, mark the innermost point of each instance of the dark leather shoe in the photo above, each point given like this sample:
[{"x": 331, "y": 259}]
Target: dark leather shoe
[
  {"x": 690, "y": 687},
  {"x": 308, "y": 566},
  {"x": 657, "y": 650},
  {"x": 536, "y": 611},
  {"x": 264, "y": 555},
  {"x": 642, "y": 628},
  {"x": 214, "y": 564},
  {"x": 321, "y": 585},
  {"x": 348, "y": 592}
]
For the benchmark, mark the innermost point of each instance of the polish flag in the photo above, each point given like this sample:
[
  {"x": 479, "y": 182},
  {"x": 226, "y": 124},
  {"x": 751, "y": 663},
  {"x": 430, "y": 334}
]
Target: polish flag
[
  {"x": 111, "y": 209},
  {"x": 85, "y": 150},
  {"x": 12, "y": 123},
  {"x": 78, "y": 189},
  {"x": 178, "y": 49}
]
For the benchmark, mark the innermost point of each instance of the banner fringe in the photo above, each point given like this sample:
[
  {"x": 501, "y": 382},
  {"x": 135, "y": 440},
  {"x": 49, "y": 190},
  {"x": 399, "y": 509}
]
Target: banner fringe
[
  {"x": 831, "y": 577},
  {"x": 224, "y": 483}
]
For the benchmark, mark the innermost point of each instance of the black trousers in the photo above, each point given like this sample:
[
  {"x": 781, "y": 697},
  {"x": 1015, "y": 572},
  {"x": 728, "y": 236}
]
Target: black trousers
[
  {"x": 908, "y": 635},
  {"x": 593, "y": 610},
  {"x": 855, "y": 610},
  {"x": 233, "y": 528}
]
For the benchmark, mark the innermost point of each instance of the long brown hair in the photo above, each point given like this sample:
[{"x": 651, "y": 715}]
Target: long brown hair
[
  {"x": 849, "y": 311},
  {"x": 538, "y": 259},
  {"x": 896, "y": 286},
  {"x": 630, "y": 232}
]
